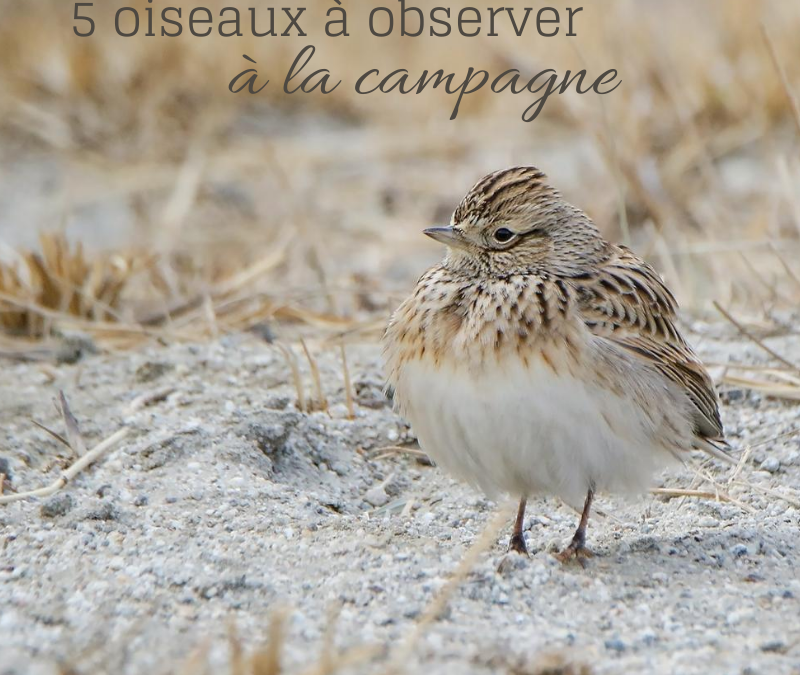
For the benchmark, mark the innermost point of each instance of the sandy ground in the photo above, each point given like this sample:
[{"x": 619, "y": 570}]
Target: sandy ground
[{"x": 225, "y": 503}]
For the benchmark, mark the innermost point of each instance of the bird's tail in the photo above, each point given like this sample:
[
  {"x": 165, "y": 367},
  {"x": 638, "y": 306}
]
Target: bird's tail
[{"x": 716, "y": 447}]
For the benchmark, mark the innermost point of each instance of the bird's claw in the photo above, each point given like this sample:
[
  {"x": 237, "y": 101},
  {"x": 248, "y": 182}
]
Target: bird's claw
[{"x": 575, "y": 551}]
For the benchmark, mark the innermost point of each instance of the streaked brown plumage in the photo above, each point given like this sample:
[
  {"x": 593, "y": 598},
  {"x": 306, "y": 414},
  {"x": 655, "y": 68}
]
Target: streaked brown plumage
[{"x": 531, "y": 292}]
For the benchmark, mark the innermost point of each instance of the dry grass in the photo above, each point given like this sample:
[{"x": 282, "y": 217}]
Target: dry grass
[
  {"x": 124, "y": 298},
  {"x": 694, "y": 158},
  {"x": 61, "y": 279}
]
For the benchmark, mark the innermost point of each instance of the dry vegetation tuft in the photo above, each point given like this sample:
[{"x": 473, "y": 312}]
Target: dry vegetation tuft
[
  {"x": 125, "y": 298},
  {"x": 62, "y": 279}
]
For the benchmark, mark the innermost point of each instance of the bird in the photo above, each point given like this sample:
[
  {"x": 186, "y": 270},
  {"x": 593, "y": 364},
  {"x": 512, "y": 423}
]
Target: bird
[{"x": 538, "y": 358}]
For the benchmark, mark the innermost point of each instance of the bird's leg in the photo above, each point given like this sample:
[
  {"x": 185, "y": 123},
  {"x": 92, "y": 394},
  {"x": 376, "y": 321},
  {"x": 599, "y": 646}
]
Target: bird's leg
[
  {"x": 517, "y": 542},
  {"x": 577, "y": 547}
]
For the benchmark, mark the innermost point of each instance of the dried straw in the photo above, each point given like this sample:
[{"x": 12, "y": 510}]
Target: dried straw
[{"x": 72, "y": 471}]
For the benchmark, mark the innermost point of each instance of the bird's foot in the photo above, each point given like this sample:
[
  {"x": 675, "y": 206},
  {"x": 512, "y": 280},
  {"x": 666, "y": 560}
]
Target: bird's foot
[
  {"x": 575, "y": 551},
  {"x": 511, "y": 561},
  {"x": 517, "y": 544}
]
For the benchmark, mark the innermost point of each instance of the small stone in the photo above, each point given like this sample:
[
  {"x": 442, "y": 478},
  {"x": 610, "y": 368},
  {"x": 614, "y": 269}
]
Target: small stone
[
  {"x": 57, "y": 506},
  {"x": 152, "y": 370},
  {"x": 73, "y": 347},
  {"x": 376, "y": 496},
  {"x": 773, "y": 646},
  {"x": 615, "y": 645},
  {"x": 739, "y": 551},
  {"x": 141, "y": 500},
  {"x": 264, "y": 331},
  {"x": 106, "y": 511},
  {"x": 732, "y": 395},
  {"x": 645, "y": 544},
  {"x": 271, "y": 431},
  {"x": 512, "y": 564},
  {"x": 370, "y": 394},
  {"x": 5, "y": 468},
  {"x": 648, "y": 638},
  {"x": 277, "y": 402},
  {"x": 383, "y": 620},
  {"x": 771, "y": 464}
]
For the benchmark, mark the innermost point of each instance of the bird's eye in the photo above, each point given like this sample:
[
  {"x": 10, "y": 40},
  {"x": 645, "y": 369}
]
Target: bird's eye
[{"x": 503, "y": 235}]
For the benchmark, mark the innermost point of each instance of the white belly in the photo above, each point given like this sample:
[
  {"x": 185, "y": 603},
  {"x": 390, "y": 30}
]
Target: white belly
[{"x": 524, "y": 431}]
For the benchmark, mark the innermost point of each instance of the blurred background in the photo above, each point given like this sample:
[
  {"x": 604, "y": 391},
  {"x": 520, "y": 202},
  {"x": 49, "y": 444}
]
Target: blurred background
[{"x": 139, "y": 199}]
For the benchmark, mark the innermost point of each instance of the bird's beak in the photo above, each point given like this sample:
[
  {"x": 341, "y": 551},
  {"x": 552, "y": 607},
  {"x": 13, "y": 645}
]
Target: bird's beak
[{"x": 446, "y": 235}]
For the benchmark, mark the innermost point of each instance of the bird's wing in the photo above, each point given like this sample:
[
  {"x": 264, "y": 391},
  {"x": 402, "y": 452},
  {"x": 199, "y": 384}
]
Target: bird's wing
[{"x": 626, "y": 302}]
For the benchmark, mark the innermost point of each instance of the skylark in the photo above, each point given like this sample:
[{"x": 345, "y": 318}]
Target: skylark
[{"x": 539, "y": 358}]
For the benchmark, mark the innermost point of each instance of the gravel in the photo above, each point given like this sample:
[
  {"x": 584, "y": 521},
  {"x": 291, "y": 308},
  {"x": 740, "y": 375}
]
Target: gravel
[
  {"x": 225, "y": 503},
  {"x": 57, "y": 506}
]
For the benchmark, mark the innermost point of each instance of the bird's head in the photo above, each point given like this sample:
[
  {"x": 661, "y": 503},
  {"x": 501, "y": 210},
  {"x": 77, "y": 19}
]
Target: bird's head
[{"x": 513, "y": 222}]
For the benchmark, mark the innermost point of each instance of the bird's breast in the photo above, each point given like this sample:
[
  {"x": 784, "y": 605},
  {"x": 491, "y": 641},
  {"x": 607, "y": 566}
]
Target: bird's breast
[{"x": 481, "y": 324}]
